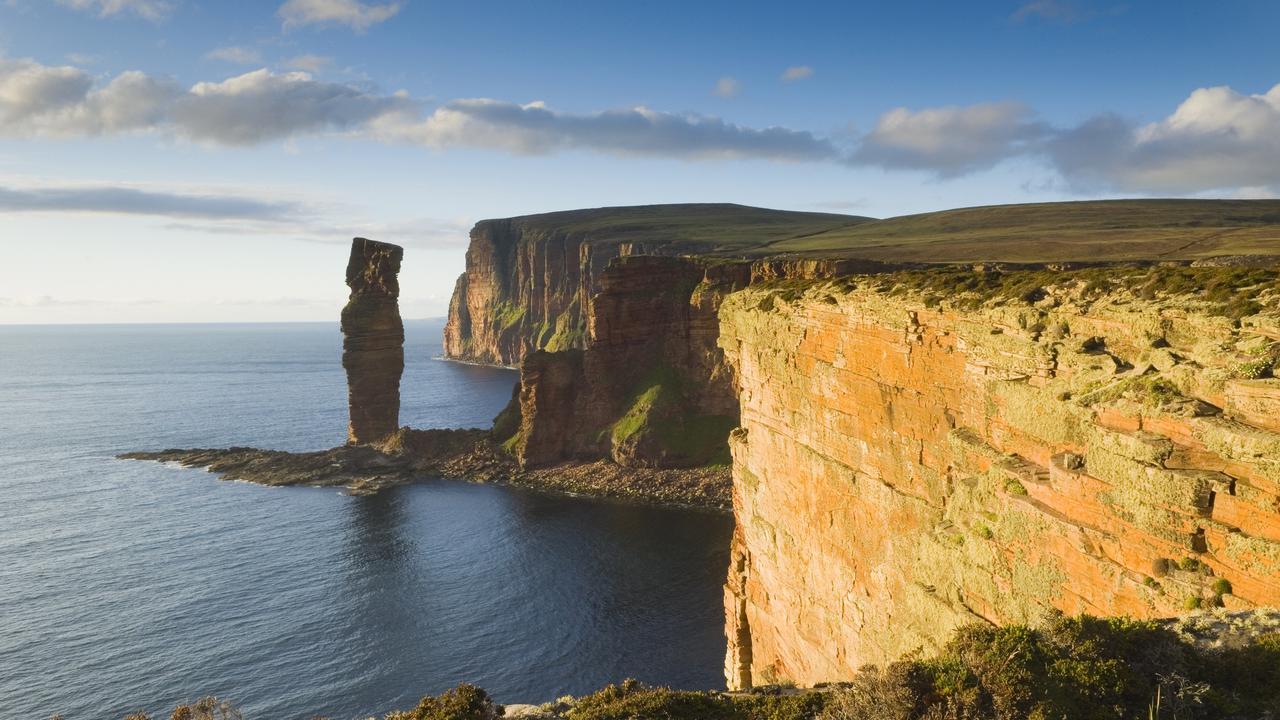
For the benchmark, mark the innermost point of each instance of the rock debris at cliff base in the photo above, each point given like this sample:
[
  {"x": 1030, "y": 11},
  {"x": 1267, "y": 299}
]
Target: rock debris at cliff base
[{"x": 412, "y": 455}]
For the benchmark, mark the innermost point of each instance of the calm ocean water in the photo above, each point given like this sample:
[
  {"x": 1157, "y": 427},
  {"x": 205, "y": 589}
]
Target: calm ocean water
[{"x": 127, "y": 585}]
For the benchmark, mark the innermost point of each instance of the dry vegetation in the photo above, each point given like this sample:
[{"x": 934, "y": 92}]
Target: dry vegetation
[{"x": 1081, "y": 668}]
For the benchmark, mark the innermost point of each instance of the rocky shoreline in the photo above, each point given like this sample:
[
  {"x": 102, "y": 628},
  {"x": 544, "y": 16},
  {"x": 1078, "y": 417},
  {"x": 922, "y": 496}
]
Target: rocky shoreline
[{"x": 411, "y": 455}]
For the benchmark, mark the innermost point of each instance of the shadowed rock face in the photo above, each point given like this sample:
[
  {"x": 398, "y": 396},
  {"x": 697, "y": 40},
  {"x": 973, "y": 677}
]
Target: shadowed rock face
[{"x": 373, "y": 341}]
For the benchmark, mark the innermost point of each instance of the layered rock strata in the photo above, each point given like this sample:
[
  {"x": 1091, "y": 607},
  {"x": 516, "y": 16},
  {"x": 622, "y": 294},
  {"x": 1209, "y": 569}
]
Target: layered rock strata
[
  {"x": 373, "y": 341},
  {"x": 908, "y": 464}
]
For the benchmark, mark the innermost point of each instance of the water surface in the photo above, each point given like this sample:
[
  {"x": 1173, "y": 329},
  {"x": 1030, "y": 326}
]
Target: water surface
[{"x": 127, "y": 585}]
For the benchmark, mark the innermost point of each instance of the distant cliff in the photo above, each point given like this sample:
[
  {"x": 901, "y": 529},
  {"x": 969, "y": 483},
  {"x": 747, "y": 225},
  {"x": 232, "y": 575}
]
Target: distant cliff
[{"x": 529, "y": 280}]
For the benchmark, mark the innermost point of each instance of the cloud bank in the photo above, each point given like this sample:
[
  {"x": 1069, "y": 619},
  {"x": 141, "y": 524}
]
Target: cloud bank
[
  {"x": 133, "y": 201},
  {"x": 223, "y": 212},
  {"x": 534, "y": 129},
  {"x": 1216, "y": 139},
  {"x": 949, "y": 141},
  {"x": 249, "y": 109}
]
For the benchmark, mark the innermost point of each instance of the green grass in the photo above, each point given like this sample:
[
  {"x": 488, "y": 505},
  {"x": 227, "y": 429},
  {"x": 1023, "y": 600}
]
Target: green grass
[
  {"x": 508, "y": 314},
  {"x": 1092, "y": 231},
  {"x": 631, "y": 700},
  {"x": 1232, "y": 292},
  {"x": 659, "y": 406},
  {"x": 1086, "y": 231},
  {"x": 700, "y": 228}
]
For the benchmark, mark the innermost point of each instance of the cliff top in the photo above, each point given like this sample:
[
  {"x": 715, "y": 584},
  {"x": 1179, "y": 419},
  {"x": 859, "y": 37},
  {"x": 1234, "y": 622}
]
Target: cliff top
[
  {"x": 1098, "y": 230},
  {"x": 704, "y": 227}
]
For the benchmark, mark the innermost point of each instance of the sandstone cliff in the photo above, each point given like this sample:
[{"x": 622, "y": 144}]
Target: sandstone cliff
[
  {"x": 650, "y": 387},
  {"x": 922, "y": 450},
  {"x": 373, "y": 341}
]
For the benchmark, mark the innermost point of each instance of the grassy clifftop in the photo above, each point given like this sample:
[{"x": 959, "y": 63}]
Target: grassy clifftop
[
  {"x": 1115, "y": 230},
  {"x": 707, "y": 227},
  {"x": 1103, "y": 230}
]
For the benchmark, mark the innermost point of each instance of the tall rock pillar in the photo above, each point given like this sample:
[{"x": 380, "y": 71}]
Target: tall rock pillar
[{"x": 373, "y": 341}]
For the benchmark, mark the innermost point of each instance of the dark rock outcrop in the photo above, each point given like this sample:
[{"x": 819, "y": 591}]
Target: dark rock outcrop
[
  {"x": 411, "y": 455},
  {"x": 373, "y": 341},
  {"x": 650, "y": 389}
]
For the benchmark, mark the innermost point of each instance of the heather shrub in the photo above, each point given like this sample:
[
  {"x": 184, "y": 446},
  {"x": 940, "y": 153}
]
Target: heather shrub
[
  {"x": 465, "y": 702},
  {"x": 631, "y": 700}
]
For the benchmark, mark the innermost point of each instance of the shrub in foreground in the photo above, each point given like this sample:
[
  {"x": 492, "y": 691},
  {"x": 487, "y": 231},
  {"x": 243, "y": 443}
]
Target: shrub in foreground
[
  {"x": 632, "y": 700},
  {"x": 465, "y": 702},
  {"x": 1081, "y": 668}
]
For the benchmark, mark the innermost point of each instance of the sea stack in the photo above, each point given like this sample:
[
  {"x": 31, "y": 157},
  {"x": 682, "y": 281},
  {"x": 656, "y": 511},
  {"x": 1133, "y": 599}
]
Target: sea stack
[{"x": 373, "y": 341}]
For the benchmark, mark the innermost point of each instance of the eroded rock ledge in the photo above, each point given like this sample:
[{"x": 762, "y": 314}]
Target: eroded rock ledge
[{"x": 411, "y": 455}]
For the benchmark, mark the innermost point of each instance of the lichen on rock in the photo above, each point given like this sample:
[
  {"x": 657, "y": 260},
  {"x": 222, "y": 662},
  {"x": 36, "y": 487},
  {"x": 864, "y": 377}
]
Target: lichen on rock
[{"x": 921, "y": 451}]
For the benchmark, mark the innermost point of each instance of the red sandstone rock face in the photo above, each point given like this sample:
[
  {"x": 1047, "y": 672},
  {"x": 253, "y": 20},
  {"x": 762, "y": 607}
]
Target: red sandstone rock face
[
  {"x": 651, "y": 375},
  {"x": 651, "y": 324},
  {"x": 524, "y": 289},
  {"x": 373, "y": 341},
  {"x": 902, "y": 470}
]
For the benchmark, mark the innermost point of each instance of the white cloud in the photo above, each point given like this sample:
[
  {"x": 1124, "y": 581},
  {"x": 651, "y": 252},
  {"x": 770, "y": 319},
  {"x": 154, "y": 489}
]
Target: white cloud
[
  {"x": 262, "y": 106},
  {"x": 1217, "y": 138},
  {"x": 61, "y": 101},
  {"x": 726, "y": 87},
  {"x": 356, "y": 15},
  {"x": 949, "y": 141},
  {"x": 148, "y": 9},
  {"x": 797, "y": 72},
  {"x": 29, "y": 90},
  {"x": 308, "y": 63},
  {"x": 236, "y": 55},
  {"x": 534, "y": 129}
]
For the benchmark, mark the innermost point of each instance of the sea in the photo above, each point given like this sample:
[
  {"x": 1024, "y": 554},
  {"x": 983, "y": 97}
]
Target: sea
[{"x": 131, "y": 586}]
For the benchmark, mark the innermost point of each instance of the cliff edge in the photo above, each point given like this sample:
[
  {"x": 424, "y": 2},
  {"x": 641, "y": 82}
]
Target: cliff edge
[{"x": 922, "y": 450}]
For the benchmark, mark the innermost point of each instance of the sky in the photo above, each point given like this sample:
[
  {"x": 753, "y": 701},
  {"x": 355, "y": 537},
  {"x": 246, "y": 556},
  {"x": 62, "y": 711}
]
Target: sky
[{"x": 209, "y": 161}]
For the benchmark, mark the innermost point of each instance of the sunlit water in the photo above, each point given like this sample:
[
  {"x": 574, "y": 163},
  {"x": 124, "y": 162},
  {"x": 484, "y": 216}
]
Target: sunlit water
[{"x": 128, "y": 585}]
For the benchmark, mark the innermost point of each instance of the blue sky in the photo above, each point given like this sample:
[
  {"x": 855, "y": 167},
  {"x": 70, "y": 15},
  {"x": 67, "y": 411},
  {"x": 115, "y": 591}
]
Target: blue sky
[{"x": 190, "y": 160}]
